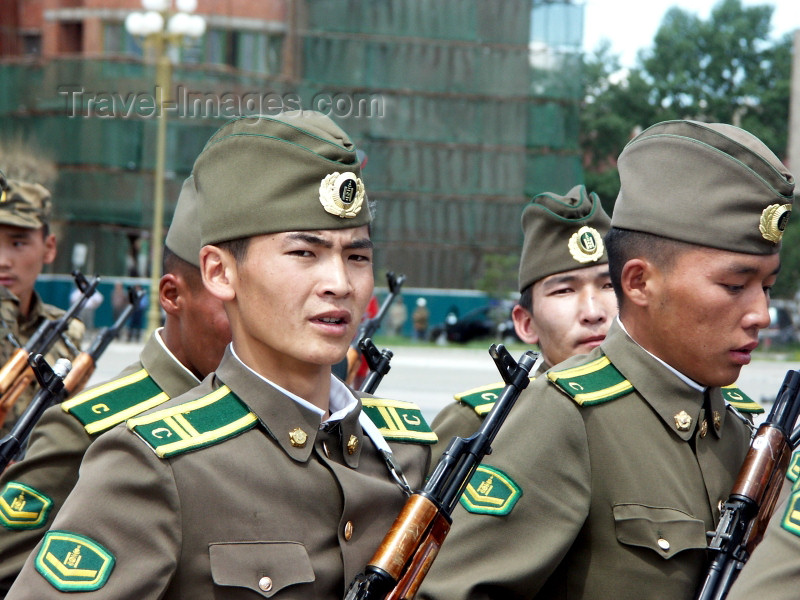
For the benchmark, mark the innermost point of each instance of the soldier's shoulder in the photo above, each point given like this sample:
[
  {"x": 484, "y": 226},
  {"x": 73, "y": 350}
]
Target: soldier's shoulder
[
  {"x": 104, "y": 406},
  {"x": 740, "y": 401},
  {"x": 399, "y": 421},
  {"x": 589, "y": 380},
  {"x": 196, "y": 420}
]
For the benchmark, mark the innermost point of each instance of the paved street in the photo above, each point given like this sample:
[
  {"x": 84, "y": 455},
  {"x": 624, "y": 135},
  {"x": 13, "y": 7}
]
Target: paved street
[{"x": 430, "y": 375}]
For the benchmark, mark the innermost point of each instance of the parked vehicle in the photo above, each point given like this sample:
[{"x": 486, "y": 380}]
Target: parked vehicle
[
  {"x": 491, "y": 321},
  {"x": 781, "y": 329}
]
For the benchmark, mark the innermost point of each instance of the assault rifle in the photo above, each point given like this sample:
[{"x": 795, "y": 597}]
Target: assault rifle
[
  {"x": 368, "y": 328},
  {"x": 745, "y": 514},
  {"x": 378, "y": 362},
  {"x": 406, "y": 553},
  {"x": 51, "y": 382},
  {"x": 16, "y": 375}
]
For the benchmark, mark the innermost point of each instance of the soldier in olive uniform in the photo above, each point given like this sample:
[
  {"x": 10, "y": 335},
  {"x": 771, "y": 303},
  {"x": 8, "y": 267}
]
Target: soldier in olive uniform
[
  {"x": 566, "y": 300},
  {"x": 173, "y": 361},
  {"x": 26, "y": 245},
  {"x": 271, "y": 479},
  {"x": 611, "y": 468}
]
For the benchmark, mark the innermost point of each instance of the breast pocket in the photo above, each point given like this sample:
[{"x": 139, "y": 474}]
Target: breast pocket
[
  {"x": 264, "y": 567},
  {"x": 665, "y": 531}
]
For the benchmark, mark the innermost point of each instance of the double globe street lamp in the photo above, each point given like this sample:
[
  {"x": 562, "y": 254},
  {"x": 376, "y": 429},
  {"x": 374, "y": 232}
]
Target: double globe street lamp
[{"x": 163, "y": 27}]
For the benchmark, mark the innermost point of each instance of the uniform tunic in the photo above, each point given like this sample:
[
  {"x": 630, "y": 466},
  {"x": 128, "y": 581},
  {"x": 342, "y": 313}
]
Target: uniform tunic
[
  {"x": 615, "y": 502},
  {"x": 57, "y": 445},
  {"x": 254, "y": 515},
  {"x": 23, "y": 329}
]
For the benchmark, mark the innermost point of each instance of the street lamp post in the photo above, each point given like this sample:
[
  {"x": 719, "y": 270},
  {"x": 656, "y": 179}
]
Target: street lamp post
[{"x": 164, "y": 27}]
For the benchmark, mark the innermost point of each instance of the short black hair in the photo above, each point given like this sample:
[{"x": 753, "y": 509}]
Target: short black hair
[
  {"x": 526, "y": 298},
  {"x": 237, "y": 248},
  {"x": 623, "y": 245}
]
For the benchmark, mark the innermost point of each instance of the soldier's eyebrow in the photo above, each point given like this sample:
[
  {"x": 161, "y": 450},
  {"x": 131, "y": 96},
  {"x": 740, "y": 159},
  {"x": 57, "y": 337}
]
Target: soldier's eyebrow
[
  {"x": 310, "y": 238},
  {"x": 558, "y": 280},
  {"x": 742, "y": 269}
]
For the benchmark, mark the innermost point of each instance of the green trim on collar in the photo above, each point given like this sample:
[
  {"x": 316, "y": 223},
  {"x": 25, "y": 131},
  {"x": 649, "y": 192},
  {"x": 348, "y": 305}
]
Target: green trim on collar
[
  {"x": 490, "y": 492},
  {"x": 482, "y": 399},
  {"x": 107, "y": 405},
  {"x": 595, "y": 382},
  {"x": 73, "y": 563},
  {"x": 740, "y": 401},
  {"x": 23, "y": 507},
  {"x": 199, "y": 423},
  {"x": 399, "y": 421}
]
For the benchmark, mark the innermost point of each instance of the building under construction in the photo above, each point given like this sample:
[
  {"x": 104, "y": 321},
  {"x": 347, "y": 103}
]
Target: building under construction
[{"x": 465, "y": 108}]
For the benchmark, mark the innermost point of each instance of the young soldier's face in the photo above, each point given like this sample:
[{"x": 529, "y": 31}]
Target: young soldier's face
[
  {"x": 704, "y": 313},
  {"x": 300, "y": 297},
  {"x": 23, "y": 252},
  {"x": 572, "y": 312}
]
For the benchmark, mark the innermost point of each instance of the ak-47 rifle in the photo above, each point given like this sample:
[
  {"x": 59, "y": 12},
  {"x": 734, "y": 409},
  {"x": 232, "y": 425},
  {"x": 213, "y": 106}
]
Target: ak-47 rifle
[
  {"x": 378, "y": 362},
  {"x": 51, "y": 382},
  {"x": 16, "y": 375},
  {"x": 368, "y": 328},
  {"x": 84, "y": 363},
  {"x": 750, "y": 504},
  {"x": 406, "y": 553}
]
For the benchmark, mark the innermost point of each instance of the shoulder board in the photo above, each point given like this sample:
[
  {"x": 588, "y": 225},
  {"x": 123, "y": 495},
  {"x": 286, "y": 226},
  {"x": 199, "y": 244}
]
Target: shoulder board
[
  {"x": 740, "y": 401},
  {"x": 595, "y": 382},
  {"x": 107, "y": 405},
  {"x": 793, "y": 471},
  {"x": 482, "y": 399},
  {"x": 196, "y": 424},
  {"x": 399, "y": 421}
]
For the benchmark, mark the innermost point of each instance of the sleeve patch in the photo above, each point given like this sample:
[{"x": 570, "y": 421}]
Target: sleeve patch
[
  {"x": 791, "y": 518},
  {"x": 490, "y": 492},
  {"x": 197, "y": 424},
  {"x": 112, "y": 403},
  {"x": 22, "y": 507},
  {"x": 740, "y": 401},
  {"x": 73, "y": 563},
  {"x": 399, "y": 421},
  {"x": 593, "y": 383}
]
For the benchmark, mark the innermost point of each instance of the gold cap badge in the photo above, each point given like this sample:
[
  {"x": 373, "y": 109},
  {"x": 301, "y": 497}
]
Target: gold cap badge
[
  {"x": 298, "y": 437},
  {"x": 586, "y": 245},
  {"x": 342, "y": 194},
  {"x": 683, "y": 421},
  {"x": 773, "y": 221}
]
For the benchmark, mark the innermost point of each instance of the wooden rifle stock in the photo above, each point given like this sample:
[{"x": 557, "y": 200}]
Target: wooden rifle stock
[
  {"x": 404, "y": 557},
  {"x": 752, "y": 500}
]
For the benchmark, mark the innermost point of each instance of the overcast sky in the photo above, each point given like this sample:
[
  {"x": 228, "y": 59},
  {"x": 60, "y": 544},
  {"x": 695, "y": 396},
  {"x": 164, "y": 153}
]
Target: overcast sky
[{"x": 632, "y": 24}]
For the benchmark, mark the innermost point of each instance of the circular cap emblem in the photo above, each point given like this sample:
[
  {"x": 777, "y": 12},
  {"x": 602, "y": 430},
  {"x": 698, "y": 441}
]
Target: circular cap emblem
[
  {"x": 586, "y": 245},
  {"x": 342, "y": 194},
  {"x": 773, "y": 221}
]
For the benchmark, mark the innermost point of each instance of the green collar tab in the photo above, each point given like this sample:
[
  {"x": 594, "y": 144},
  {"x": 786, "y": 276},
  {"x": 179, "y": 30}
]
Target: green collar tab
[
  {"x": 791, "y": 518},
  {"x": 107, "y": 405},
  {"x": 196, "y": 424},
  {"x": 482, "y": 399},
  {"x": 595, "y": 382},
  {"x": 793, "y": 471},
  {"x": 399, "y": 421},
  {"x": 73, "y": 563},
  {"x": 22, "y": 507},
  {"x": 740, "y": 401},
  {"x": 490, "y": 492}
]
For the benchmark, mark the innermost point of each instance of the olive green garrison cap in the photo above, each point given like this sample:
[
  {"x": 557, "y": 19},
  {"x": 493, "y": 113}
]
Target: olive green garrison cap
[
  {"x": 297, "y": 171},
  {"x": 709, "y": 184},
  {"x": 23, "y": 204},
  {"x": 183, "y": 236},
  {"x": 561, "y": 233}
]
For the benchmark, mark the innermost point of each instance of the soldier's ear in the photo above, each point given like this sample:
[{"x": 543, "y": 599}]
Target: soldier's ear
[
  {"x": 219, "y": 270},
  {"x": 636, "y": 281},
  {"x": 168, "y": 293},
  {"x": 524, "y": 325}
]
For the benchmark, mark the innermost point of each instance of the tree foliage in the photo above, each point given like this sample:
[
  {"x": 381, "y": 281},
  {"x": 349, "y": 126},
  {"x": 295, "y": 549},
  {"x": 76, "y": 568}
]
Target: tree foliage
[{"x": 724, "y": 69}]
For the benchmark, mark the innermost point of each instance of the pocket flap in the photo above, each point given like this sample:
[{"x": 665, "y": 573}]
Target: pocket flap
[
  {"x": 666, "y": 531},
  {"x": 264, "y": 567}
]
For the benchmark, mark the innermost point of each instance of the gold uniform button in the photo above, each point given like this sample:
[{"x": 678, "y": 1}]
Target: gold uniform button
[
  {"x": 352, "y": 444},
  {"x": 683, "y": 422},
  {"x": 298, "y": 437},
  {"x": 663, "y": 544},
  {"x": 348, "y": 530},
  {"x": 265, "y": 584}
]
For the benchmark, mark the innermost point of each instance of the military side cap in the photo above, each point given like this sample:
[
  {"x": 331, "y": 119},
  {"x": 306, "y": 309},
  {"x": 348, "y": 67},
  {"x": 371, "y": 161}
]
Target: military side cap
[
  {"x": 294, "y": 172},
  {"x": 561, "y": 233},
  {"x": 709, "y": 184},
  {"x": 23, "y": 204},
  {"x": 183, "y": 236}
]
